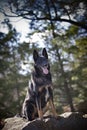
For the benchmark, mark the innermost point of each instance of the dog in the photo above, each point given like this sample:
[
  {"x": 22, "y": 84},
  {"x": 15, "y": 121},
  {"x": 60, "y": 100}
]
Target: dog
[{"x": 40, "y": 90}]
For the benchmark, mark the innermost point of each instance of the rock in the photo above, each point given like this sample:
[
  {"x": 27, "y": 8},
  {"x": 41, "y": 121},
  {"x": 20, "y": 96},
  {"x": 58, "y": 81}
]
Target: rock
[
  {"x": 82, "y": 107},
  {"x": 73, "y": 121},
  {"x": 14, "y": 123}
]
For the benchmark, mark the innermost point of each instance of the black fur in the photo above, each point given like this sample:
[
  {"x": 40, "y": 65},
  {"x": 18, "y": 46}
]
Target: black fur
[{"x": 40, "y": 83}]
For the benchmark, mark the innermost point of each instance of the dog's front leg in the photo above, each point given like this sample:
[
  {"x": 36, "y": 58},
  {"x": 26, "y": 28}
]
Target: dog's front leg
[
  {"x": 53, "y": 107},
  {"x": 39, "y": 109}
]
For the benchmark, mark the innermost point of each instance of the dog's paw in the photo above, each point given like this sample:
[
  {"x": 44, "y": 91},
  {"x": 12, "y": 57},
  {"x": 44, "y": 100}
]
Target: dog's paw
[{"x": 40, "y": 119}]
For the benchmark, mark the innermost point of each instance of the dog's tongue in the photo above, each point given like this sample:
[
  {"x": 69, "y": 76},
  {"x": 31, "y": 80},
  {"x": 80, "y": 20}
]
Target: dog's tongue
[{"x": 45, "y": 70}]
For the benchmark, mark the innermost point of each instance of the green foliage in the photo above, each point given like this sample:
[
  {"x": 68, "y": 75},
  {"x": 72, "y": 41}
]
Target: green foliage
[
  {"x": 82, "y": 45},
  {"x": 69, "y": 67},
  {"x": 12, "y": 82},
  {"x": 72, "y": 31}
]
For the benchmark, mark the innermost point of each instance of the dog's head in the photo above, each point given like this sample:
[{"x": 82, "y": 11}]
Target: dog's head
[{"x": 41, "y": 62}]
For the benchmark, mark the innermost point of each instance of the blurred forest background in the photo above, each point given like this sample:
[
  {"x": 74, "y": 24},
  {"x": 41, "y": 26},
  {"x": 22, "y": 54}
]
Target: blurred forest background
[{"x": 63, "y": 27}]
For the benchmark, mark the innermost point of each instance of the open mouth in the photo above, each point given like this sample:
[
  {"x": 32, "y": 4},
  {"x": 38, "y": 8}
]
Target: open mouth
[{"x": 45, "y": 70}]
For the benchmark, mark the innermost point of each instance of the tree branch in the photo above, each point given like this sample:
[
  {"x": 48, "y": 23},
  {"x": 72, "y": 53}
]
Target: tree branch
[
  {"x": 35, "y": 17},
  {"x": 79, "y": 24}
]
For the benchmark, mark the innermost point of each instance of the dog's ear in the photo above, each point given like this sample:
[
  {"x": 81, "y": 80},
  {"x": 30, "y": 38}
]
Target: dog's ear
[
  {"x": 35, "y": 55},
  {"x": 44, "y": 53}
]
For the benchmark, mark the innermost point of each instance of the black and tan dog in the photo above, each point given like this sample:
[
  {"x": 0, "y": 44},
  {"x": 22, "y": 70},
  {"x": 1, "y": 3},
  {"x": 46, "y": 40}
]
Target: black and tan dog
[{"x": 40, "y": 89}]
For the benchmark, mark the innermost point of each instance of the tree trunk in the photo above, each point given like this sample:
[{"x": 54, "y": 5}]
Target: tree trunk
[{"x": 66, "y": 87}]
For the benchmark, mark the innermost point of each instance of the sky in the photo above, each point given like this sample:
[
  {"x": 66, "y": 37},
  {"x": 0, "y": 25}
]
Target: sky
[{"x": 21, "y": 25}]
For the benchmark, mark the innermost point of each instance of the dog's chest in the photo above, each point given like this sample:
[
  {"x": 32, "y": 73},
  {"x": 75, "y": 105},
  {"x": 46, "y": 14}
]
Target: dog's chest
[{"x": 47, "y": 95}]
